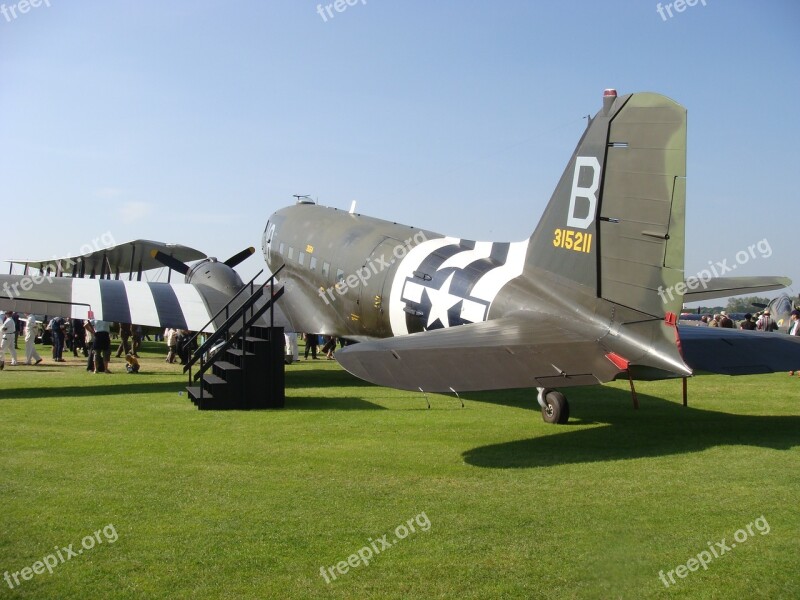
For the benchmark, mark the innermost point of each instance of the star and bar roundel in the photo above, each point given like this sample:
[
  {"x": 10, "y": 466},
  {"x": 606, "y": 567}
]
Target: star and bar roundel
[{"x": 447, "y": 282}]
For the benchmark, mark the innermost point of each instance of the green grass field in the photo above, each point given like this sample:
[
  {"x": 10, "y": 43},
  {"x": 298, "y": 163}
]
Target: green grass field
[{"x": 254, "y": 504}]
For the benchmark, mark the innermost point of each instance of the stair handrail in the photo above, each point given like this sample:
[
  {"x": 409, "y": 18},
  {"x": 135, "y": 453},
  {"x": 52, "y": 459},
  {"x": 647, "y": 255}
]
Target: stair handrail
[
  {"x": 229, "y": 321},
  {"x": 224, "y": 328},
  {"x": 236, "y": 295},
  {"x": 235, "y": 335}
]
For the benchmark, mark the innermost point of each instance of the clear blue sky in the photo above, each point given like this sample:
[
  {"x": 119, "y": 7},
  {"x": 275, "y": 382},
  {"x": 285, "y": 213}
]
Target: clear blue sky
[{"x": 191, "y": 122}]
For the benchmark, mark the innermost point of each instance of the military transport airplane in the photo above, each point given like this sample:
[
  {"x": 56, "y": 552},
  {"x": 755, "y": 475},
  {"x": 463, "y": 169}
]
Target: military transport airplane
[{"x": 593, "y": 295}]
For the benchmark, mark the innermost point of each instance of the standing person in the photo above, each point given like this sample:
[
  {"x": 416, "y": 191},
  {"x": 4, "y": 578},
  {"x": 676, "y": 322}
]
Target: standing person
[
  {"x": 748, "y": 324},
  {"x": 725, "y": 320},
  {"x": 78, "y": 337},
  {"x": 102, "y": 345},
  {"x": 17, "y": 323},
  {"x": 765, "y": 322},
  {"x": 30, "y": 341},
  {"x": 291, "y": 346},
  {"x": 88, "y": 339},
  {"x": 171, "y": 337},
  {"x": 137, "y": 340},
  {"x": 312, "y": 340},
  {"x": 794, "y": 329},
  {"x": 57, "y": 331},
  {"x": 7, "y": 332},
  {"x": 125, "y": 336}
]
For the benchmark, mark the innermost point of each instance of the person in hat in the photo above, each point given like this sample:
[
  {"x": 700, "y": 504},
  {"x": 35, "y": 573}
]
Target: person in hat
[
  {"x": 748, "y": 323},
  {"x": 765, "y": 322},
  {"x": 7, "y": 334},
  {"x": 725, "y": 320}
]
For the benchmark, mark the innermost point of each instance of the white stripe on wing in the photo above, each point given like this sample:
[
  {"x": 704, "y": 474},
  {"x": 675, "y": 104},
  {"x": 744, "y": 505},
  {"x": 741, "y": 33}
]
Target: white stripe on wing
[
  {"x": 86, "y": 291},
  {"x": 193, "y": 307},
  {"x": 141, "y": 303}
]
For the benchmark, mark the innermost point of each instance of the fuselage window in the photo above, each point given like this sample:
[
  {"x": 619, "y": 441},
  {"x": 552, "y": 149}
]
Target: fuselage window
[
  {"x": 312, "y": 263},
  {"x": 291, "y": 253},
  {"x": 282, "y": 248},
  {"x": 339, "y": 276},
  {"x": 326, "y": 269},
  {"x": 301, "y": 258}
]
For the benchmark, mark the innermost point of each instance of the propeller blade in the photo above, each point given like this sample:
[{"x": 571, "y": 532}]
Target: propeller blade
[
  {"x": 237, "y": 258},
  {"x": 759, "y": 305},
  {"x": 168, "y": 261}
]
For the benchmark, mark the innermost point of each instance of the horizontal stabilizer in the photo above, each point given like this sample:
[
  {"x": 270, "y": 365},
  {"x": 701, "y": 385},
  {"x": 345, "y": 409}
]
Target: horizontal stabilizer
[
  {"x": 722, "y": 287},
  {"x": 736, "y": 352}
]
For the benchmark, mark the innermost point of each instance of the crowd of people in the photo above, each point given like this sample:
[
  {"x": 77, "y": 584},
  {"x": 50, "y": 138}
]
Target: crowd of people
[
  {"x": 94, "y": 339},
  {"x": 762, "y": 321},
  {"x": 91, "y": 338}
]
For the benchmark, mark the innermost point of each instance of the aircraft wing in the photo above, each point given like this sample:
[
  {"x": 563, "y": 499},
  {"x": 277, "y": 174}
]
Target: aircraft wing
[
  {"x": 128, "y": 257},
  {"x": 512, "y": 352},
  {"x": 722, "y": 287},
  {"x": 737, "y": 352},
  {"x": 542, "y": 350},
  {"x": 181, "y": 305}
]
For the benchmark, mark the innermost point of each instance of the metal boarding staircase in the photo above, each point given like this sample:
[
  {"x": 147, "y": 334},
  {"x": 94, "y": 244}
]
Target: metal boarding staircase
[{"x": 246, "y": 360}]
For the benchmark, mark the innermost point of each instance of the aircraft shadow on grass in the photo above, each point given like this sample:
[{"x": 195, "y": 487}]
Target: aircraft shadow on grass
[
  {"x": 658, "y": 428},
  {"x": 300, "y": 376},
  {"x": 321, "y": 403}
]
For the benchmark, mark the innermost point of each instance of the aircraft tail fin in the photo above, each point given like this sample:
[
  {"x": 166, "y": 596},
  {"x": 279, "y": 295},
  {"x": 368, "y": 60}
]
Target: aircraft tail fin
[{"x": 615, "y": 222}]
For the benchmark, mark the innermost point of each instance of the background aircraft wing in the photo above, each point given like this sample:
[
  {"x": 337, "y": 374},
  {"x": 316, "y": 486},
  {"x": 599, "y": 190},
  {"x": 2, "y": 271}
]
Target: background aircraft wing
[
  {"x": 182, "y": 305},
  {"x": 736, "y": 352},
  {"x": 129, "y": 257},
  {"x": 722, "y": 287},
  {"x": 513, "y": 352}
]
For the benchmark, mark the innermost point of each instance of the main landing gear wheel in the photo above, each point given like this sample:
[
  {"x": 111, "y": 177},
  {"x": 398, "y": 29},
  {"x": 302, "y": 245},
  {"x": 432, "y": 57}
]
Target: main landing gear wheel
[{"x": 555, "y": 408}]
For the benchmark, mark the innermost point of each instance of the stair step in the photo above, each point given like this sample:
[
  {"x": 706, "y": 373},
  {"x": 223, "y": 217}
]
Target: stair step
[
  {"x": 208, "y": 402},
  {"x": 226, "y": 366},
  {"x": 239, "y": 352},
  {"x": 211, "y": 379},
  {"x": 194, "y": 393}
]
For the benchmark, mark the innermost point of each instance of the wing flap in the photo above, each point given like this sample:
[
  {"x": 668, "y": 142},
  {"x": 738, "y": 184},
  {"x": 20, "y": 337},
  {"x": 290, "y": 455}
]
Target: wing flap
[{"x": 520, "y": 352}]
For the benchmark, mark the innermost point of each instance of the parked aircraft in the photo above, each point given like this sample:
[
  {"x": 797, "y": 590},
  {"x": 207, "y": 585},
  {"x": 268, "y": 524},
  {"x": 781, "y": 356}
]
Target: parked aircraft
[{"x": 593, "y": 295}]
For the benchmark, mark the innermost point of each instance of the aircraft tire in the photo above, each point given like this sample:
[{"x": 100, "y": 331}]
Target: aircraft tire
[{"x": 557, "y": 409}]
